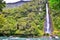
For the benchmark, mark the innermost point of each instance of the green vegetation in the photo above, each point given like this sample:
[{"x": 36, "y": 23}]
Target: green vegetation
[
  {"x": 2, "y": 5},
  {"x": 55, "y": 4},
  {"x": 55, "y": 13},
  {"x": 28, "y": 19}
]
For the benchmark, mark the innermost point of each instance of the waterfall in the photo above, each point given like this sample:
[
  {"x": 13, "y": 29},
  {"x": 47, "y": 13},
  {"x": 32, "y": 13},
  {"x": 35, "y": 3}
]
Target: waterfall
[{"x": 47, "y": 20}]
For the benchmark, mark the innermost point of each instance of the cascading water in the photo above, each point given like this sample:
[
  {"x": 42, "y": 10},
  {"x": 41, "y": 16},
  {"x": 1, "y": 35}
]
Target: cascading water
[
  {"x": 48, "y": 26},
  {"x": 47, "y": 20}
]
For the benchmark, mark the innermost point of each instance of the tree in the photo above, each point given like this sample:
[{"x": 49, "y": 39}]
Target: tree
[
  {"x": 2, "y": 4},
  {"x": 54, "y": 4},
  {"x": 25, "y": 19},
  {"x": 2, "y": 22},
  {"x": 55, "y": 13}
]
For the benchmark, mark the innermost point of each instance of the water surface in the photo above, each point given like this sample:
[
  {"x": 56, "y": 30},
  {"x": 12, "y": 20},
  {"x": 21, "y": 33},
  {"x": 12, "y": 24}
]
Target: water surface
[{"x": 18, "y": 38}]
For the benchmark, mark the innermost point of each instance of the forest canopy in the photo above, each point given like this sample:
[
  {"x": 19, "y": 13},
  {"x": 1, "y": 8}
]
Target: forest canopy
[{"x": 29, "y": 18}]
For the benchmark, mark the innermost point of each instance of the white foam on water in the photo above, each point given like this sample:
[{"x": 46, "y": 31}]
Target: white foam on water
[{"x": 27, "y": 39}]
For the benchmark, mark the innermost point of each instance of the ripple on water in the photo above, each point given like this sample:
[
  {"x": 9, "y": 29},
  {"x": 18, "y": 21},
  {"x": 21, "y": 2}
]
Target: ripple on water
[{"x": 17, "y": 38}]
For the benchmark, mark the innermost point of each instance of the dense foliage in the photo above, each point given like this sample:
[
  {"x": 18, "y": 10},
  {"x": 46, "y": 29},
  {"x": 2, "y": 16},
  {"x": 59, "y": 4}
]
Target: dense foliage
[
  {"x": 55, "y": 13},
  {"x": 28, "y": 19},
  {"x": 55, "y": 4},
  {"x": 2, "y": 4}
]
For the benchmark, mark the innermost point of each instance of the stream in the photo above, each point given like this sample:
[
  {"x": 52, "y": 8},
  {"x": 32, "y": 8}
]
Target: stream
[{"x": 18, "y": 38}]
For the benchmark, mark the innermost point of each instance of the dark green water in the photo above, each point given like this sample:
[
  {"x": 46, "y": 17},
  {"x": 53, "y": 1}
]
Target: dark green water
[{"x": 17, "y": 38}]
